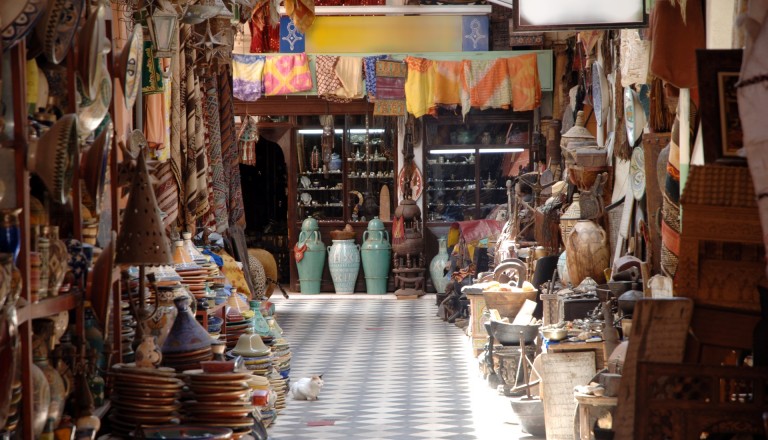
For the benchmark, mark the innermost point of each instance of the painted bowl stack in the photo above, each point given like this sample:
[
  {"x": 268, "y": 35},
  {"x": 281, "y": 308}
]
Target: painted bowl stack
[
  {"x": 256, "y": 356},
  {"x": 194, "y": 278},
  {"x": 143, "y": 396},
  {"x": 220, "y": 400},
  {"x": 263, "y": 399},
  {"x": 280, "y": 387},
  {"x": 239, "y": 317},
  {"x": 281, "y": 357}
]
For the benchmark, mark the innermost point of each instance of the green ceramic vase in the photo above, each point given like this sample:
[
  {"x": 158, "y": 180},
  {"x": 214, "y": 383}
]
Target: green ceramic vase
[
  {"x": 376, "y": 253},
  {"x": 310, "y": 256}
]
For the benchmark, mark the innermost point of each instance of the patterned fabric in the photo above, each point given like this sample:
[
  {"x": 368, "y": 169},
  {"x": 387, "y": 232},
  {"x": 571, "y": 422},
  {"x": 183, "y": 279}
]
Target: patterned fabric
[
  {"x": 419, "y": 85},
  {"x": 175, "y": 162},
  {"x": 246, "y": 141},
  {"x": 448, "y": 82},
  {"x": 195, "y": 179},
  {"x": 486, "y": 85},
  {"x": 328, "y": 83},
  {"x": 390, "y": 88},
  {"x": 369, "y": 68},
  {"x": 151, "y": 74},
  {"x": 167, "y": 193},
  {"x": 229, "y": 151},
  {"x": 670, "y": 208},
  {"x": 302, "y": 13},
  {"x": 234, "y": 274},
  {"x": 285, "y": 74},
  {"x": 219, "y": 184},
  {"x": 265, "y": 35},
  {"x": 350, "y": 73},
  {"x": 247, "y": 72},
  {"x": 524, "y": 79}
]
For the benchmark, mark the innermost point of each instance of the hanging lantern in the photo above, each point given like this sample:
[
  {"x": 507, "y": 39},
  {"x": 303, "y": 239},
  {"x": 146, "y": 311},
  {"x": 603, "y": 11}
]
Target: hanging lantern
[{"x": 163, "y": 22}]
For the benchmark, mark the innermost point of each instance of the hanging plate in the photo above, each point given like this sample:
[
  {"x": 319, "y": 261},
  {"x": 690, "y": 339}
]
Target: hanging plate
[
  {"x": 58, "y": 27},
  {"x": 131, "y": 66},
  {"x": 637, "y": 173},
  {"x": 417, "y": 184},
  {"x": 18, "y": 18}
]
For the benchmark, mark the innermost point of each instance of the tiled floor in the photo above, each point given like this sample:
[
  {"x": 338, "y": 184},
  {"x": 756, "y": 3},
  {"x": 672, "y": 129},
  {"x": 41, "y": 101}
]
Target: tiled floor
[{"x": 392, "y": 370}]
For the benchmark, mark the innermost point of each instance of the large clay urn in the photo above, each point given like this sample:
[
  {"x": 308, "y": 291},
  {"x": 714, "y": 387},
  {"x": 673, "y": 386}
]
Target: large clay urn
[
  {"x": 376, "y": 254},
  {"x": 587, "y": 252},
  {"x": 309, "y": 252}
]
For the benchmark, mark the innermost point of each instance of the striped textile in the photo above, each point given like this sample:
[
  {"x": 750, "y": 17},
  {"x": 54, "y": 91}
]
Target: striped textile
[
  {"x": 229, "y": 151},
  {"x": 167, "y": 193},
  {"x": 390, "y": 88},
  {"x": 486, "y": 85},
  {"x": 219, "y": 183}
]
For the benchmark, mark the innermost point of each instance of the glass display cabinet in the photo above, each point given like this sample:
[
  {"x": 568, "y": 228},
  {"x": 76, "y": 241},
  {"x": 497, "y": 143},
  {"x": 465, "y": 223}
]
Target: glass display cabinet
[
  {"x": 344, "y": 164},
  {"x": 468, "y": 161}
]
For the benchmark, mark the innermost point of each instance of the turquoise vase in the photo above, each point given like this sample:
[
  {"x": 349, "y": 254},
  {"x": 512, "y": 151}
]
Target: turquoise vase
[
  {"x": 260, "y": 324},
  {"x": 344, "y": 264},
  {"x": 310, "y": 256},
  {"x": 376, "y": 253},
  {"x": 437, "y": 266}
]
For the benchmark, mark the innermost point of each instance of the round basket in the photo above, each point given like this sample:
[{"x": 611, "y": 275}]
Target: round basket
[
  {"x": 507, "y": 303},
  {"x": 342, "y": 235},
  {"x": 570, "y": 217}
]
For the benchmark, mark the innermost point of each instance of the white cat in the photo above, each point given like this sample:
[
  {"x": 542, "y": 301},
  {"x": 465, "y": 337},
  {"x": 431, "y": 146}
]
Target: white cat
[{"x": 307, "y": 388}]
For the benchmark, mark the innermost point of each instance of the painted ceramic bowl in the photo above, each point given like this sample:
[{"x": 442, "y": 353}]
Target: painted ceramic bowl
[
  {"x": 131, "y": 65},
  {"x": 19, "y": 17},
  {"x": 57, "y": 28},
  {"x": 54, "y": 156}
]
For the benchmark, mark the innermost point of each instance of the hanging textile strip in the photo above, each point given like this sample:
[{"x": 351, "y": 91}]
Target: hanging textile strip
[
  {"x": 419, "y": 86},
  {"x": 328, "y": 83},
  {"x": 151, "y": 74},
  {"x": 302, "y": 13},
  {"x": 369, "y": 68},
  {"x": 448, "y": 82},
  {"x": 246, "y": 141},
  {"x": 191, "y": 191},
  {"x": 265, "y": 33},
  {"x": 203, "y": 164},
  {"x": 181, "y": 171},
  {"x": 153, "y": 120},
  {"x": 247, "y": 72},
  {"x": 524, "y": 81},
  {"x": 167, "y": 194},
  {"x": 164, "y": 150},
  {"x": 219, "y": 184},
  {"x": 175, "y": 150},
  {"x": 229, "y": 151},
  {"x": 349, "y": 70},
  {"x": 486, "y": 85},
  {"x": 285, "y": 74},
  {"x": 390, "y": 88}
]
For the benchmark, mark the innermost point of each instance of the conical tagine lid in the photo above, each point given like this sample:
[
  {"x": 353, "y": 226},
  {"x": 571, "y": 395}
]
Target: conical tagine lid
[{"x": 142, "y": 240}]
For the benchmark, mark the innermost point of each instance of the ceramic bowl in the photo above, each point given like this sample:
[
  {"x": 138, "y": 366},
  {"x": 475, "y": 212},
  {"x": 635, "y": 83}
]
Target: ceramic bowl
[
  {"x": 54, "y": 156},
  {"x": 130, "y": 63},
  {"x": 19, "y": 17},
  {"x": 94, "y": 167},
  {"x": 556, "y": 334},
  {"x": 57, "y": 28}
]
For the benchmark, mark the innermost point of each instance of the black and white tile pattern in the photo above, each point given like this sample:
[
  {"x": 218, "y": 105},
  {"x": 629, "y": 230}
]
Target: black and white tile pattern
[{"x": 392, "y": 370}]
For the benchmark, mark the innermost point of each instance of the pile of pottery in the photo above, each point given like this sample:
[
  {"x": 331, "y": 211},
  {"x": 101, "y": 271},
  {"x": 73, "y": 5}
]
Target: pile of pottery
[
  {"x": 14, "y": 413},
  {"x": 187, "y": 343},
  {"x": 127, "y": 329},
  {"x": 220, "y": 400},
  {"x": 263, "y": 399},
  {"x": 238, "y": 317},
  {"x": 256, "y": 356},
  {"x": 281, "y": 357},
  {"x": 280, "y": 387},
  {"x": 143, "y": 396}
]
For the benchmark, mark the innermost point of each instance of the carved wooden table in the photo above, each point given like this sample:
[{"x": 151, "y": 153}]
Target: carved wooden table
[{"x": 586, "y": 405}]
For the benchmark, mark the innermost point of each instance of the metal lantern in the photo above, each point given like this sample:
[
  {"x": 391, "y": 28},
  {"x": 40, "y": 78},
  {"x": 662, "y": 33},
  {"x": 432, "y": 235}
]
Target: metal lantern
[{"x": 163, "y": 22}]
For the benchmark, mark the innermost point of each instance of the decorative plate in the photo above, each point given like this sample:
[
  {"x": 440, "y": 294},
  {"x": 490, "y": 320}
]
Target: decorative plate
[
  {"x": 94, "y": 42},
  {"x": 634, "y": 116},
  {"x": 94, "y": 166},
  {"x": 92, "y": 112},
  {"x": 637, "y": 173},
  {"x": 131, "y": 66},
  {"x": 417, "y": 183},
  {"x": 305, "y": 198},
  {"x": 600, "y": 94},
  {"x": 58, "y": 27},
  {"x": 19, "y": 17}
]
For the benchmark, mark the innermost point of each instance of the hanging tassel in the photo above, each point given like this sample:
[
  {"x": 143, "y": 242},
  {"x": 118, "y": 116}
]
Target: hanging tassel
[
  {"x": 661, "y": 118},
  {"x": 398, "y": 230}
]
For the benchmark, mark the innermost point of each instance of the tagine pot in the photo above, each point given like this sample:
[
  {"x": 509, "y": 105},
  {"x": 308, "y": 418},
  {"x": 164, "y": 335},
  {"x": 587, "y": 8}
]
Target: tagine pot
[
  {"x": 309, "y": 252},
  {"x": 186, "y": 333},
  {"x": 438, "y": 264},
  {"x": 376, "y": 254}
]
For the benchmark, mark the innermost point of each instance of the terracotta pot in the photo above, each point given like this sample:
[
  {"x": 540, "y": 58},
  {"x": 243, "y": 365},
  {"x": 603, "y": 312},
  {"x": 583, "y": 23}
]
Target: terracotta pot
[{"x": 587, "y": 252}]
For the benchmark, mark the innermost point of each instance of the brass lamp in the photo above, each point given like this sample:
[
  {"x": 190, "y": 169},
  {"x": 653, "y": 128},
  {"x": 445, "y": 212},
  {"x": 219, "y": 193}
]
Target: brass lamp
[{"x": 162, "y": 23}]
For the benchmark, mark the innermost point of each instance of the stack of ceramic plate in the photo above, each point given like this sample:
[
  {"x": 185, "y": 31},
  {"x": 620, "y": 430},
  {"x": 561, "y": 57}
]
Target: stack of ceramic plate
[
  {"x": 127, "y": 330},
  {"x": 187, "y": 360},
  {"x": 235, "y": 328},
  {"x": 220, "y": 400},
  {"x": 143, "y": 396},
  {"x": 12, "y": 423},
  {"x": 279, "y": 386},
  {"x": 194, "y": 277},
  {"x": 259, "y": 364},
  {"x": 281, "y": 357}
]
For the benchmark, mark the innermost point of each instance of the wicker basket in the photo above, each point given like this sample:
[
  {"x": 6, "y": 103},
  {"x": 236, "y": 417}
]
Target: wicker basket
[
  {"x": 570, "y": 217},
  {"x": 507, "y": 303}
]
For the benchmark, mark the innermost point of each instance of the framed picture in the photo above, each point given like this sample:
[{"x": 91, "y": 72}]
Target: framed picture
[
  {"x": 718, "y": 73},
  {"x": 538, "y": 15}
]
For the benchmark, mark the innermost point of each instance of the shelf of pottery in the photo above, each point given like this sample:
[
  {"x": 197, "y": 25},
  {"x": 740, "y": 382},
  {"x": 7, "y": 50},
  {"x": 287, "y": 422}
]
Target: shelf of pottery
[{"x": 345, "y": 173}]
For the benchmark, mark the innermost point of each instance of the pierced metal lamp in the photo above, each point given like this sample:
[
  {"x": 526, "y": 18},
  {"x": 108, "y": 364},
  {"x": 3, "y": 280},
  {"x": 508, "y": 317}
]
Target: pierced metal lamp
[{"x": 162, "y": 23}]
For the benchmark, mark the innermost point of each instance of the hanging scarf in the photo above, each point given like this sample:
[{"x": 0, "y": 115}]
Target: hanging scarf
[
  {"x": 448, "y": 82},
  {"x": 390, "y": 88},
  {"x": 486, "y": 85},
  {"x": 349, "y": 70},
  {"x": 302, "y": 13},
  {"x": 524, "y": 81},
  {"x": 328, "y": 83},
  {"x": 369, "y": 68},
  {"x": 247, "y": 72},
  {"x": 246, "y": 141},
  {"x": 285, "y": 74},
  {"x": 419, "y": 86}
]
